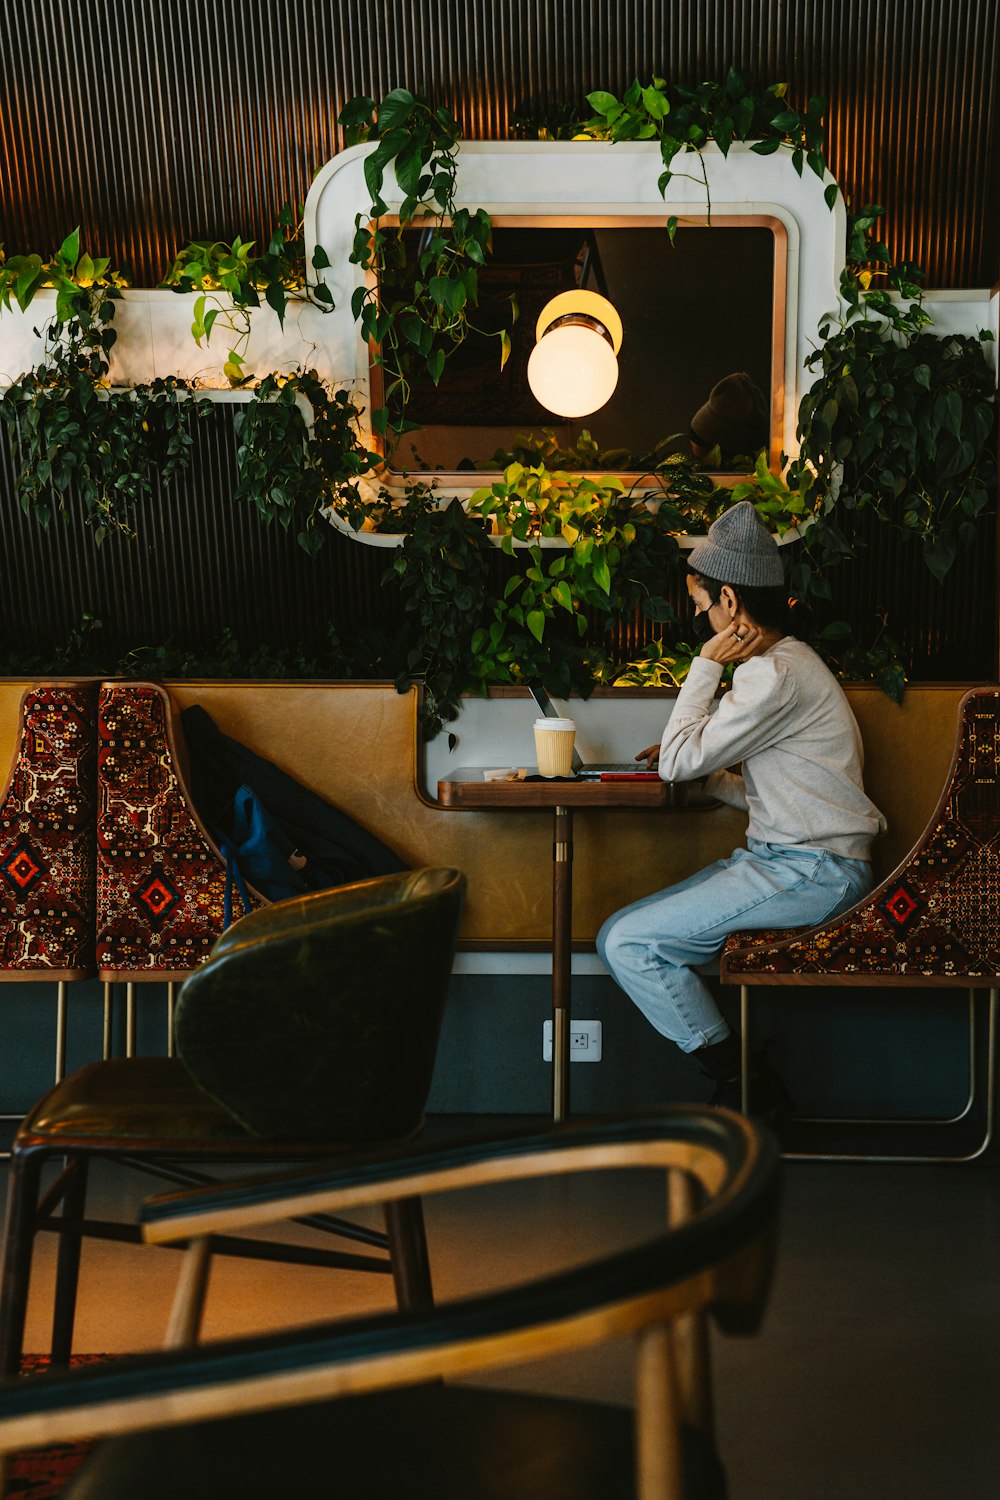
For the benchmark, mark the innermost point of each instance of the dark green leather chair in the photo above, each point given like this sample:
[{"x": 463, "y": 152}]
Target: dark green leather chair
[{"x": 311, "y": 1031}]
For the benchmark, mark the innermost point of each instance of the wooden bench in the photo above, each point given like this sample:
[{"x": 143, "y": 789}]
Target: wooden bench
[
  {"x": 358, "y": 745},
  {"x": 933, "y": 923}
]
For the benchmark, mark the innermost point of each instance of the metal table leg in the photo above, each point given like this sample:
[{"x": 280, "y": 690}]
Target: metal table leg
[{"x": 562, "y": 954}]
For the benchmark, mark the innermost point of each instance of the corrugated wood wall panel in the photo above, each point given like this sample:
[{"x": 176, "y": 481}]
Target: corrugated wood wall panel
[
  {"x": 202, "y": 564},
  {"x": 154, "y": 121}
]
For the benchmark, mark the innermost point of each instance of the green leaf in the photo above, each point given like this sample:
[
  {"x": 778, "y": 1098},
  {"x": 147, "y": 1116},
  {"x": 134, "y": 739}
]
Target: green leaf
[
  {"x": 435, "y": 364},
  {"x": 357, "y": 111},
  {"x": 601, "y": 102},
  {"x": 535, "y": 621},
  {"x": 277, "y": 298},
  {"x": 657, "y": 104},
  {"x": 395, "y": 109},
  {"x": 374, "y": 170},
  {"x": 563, "y": 596},
  {"x": 28, "y": 282},
  {"x": 69, "y": 250},
  {"x": 439, "y": 288},
  {"x": 939, "y": 554}
]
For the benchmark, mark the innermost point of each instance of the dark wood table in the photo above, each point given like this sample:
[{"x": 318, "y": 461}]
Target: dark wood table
[{"x": 465, "y": 790}]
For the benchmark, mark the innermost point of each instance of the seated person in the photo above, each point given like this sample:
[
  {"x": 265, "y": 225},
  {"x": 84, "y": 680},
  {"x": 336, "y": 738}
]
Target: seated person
[{"x": 810, "y": 825}]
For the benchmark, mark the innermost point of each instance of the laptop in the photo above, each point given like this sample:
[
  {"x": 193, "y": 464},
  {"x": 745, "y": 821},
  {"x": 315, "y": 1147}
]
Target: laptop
[{"x": 627, "y": 770}]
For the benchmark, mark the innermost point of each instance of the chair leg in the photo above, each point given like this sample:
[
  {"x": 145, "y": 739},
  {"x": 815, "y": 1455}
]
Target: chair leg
[
  {"x": 691, "y": 1350},
  {"x": 659, "y": 1470},
  {"x": 68, "y": 1262},
  {"x": 19, "y": 1236},
  {"x": 411, "y": 1269},
  {"x": 744, "y": 1049},
  {"x": 909, "y": 1122},
  {"x": 109, "y": 1015},
  {"x": 61, "y": 1016}
]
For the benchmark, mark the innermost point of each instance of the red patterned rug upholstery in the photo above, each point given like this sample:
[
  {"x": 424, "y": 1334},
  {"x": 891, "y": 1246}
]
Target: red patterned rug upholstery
[
  {"x": 43, "y": 1472},
  {"x": 936, "y": 919},
  {"x": 161, "y": 881},
  {"x": 47, "y": 836}
]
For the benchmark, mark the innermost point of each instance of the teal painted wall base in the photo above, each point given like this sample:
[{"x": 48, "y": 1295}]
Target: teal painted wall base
[
  {"x": 878, "y": 1051},
  {"x": 865, "y": 1051}
]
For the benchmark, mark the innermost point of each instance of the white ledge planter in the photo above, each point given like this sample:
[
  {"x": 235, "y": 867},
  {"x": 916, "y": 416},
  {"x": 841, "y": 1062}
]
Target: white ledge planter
[{"x": 154, "y": 340}]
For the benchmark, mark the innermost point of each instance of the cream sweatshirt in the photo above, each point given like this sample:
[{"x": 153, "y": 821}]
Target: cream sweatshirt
[{"x": 787, "y": 720}]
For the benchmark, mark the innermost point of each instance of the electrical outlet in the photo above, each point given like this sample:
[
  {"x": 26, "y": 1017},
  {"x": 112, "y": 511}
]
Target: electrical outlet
[{"x": 585, "y": 1041}]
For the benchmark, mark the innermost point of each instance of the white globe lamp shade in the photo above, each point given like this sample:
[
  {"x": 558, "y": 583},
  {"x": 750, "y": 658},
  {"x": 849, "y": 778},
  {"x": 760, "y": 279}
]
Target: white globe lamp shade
[{"x": 573, "y": 369}]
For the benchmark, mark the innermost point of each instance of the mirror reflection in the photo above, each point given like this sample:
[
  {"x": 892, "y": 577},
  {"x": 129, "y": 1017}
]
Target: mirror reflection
[{"x": 700, "y": 367}]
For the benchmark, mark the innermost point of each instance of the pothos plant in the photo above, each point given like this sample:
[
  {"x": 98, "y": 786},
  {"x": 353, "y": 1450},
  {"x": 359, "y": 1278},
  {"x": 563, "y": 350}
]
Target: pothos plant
[
  {"x": 419, "y": 305},
  {"x": 685, "y": 118},
  {"x": 292, "y": 467},
  {"x": 231, "y": 281},
  {"x": 900, "y": 419},
  {"x": 617, "y": 555},
  {"x": 899, "y": 424},
  {"x": 73, "y": 439},
  {"x": 551, "y": 617}
]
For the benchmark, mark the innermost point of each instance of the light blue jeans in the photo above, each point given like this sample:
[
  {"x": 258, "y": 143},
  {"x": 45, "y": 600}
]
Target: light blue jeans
[{"x": 653, "y": 946}]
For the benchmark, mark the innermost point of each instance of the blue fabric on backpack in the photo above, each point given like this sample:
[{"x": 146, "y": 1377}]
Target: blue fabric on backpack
[
  {"x": 328, "y": 846},
  {"x": 262, "y": 852}
]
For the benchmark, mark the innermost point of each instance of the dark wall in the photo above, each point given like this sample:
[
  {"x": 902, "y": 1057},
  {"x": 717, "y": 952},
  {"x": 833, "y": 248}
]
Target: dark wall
[{"x": 150, "y": 122}]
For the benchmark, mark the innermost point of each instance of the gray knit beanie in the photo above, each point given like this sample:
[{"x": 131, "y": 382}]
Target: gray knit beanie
[{"x": 739, "y": 549}]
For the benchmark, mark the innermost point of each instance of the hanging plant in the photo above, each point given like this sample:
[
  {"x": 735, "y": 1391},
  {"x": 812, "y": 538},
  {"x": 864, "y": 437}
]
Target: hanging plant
[
  {"x": 75, "y": 441},
  {"x": 900, "y": 423},
  {"x": 420, "y": 308},
  {"x": 292, "y": 470},
  {"x": 901, "y": 420},
  {"x": 442, "y": 574},
  {"x": 684, "y": 119},
  {"x": 231, "y": 281}
]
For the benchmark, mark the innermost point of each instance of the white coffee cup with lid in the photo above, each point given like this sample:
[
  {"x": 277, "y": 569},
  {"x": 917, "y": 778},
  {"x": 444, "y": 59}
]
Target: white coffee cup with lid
[{"x": 554, "y": 741}]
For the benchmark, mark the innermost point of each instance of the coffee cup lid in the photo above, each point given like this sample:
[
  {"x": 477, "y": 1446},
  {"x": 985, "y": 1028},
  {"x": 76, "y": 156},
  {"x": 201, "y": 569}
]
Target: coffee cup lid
[{"x": 555, "y": 723}]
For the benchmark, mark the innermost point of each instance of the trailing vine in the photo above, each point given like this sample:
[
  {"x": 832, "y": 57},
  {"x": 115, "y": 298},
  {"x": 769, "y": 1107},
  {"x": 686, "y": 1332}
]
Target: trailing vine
[
  {"x": 74, "y": 440},
  {"x": 900, "y": 419},
  {"x": 900, "y": 424},
  {"x": 292, "y": 468},
  {"x": 419, "y": 310},
  {"x": 685, "y": 118}
]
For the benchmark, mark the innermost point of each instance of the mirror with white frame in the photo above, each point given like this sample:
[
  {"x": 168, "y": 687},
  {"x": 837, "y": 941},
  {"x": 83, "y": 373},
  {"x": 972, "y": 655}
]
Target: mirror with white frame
[
  {"x": 703, "y": 320},
  {"x": 599, "y": 189}
]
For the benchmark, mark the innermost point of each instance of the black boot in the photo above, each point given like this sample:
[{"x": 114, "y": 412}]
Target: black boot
[{"x": 770, "y": 1100}]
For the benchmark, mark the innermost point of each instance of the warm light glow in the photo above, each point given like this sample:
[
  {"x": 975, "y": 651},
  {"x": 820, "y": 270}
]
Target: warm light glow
[{"x": 573, "y": 369}]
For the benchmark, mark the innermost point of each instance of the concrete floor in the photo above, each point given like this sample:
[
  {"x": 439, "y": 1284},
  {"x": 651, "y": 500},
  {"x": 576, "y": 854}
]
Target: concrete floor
[{"x": 876, "y": 1375}]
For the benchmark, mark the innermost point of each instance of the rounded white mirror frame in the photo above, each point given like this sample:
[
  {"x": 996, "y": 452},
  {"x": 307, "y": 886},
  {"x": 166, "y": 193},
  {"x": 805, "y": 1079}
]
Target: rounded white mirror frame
[{"x": 581, "y": 178}]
